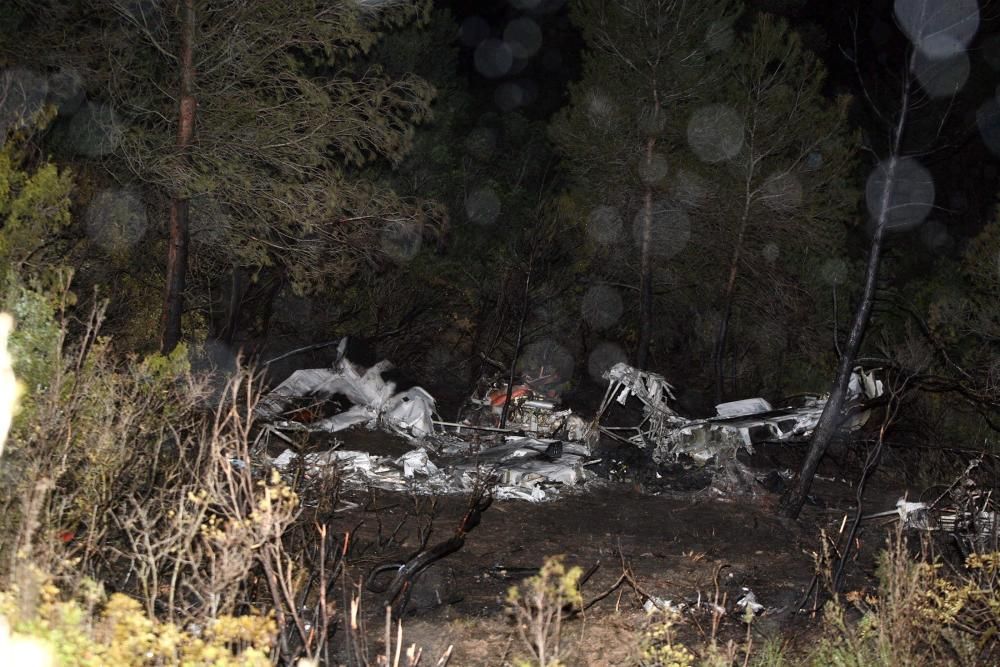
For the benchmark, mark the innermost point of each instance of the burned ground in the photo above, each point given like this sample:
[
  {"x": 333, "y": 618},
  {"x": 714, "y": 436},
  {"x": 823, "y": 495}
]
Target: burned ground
[{"x": 679, "y": 539}]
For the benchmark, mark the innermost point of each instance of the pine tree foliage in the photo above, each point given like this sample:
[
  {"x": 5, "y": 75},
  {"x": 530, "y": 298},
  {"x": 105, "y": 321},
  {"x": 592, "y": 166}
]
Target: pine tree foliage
[
  {"x": 35, "y": 198},
  {"x": 646, "y": 62},
  {"x": 285, "y": 117},
  {"x": 963, "y": 318},
  {"x": 640, "y": 55},
  {"x": 748, "y": 163},
  {"x": 777, "y": 209}
]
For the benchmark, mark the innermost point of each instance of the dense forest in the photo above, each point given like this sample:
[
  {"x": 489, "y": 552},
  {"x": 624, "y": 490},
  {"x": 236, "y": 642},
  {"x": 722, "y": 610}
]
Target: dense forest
[{"x": 763, "y": 199}]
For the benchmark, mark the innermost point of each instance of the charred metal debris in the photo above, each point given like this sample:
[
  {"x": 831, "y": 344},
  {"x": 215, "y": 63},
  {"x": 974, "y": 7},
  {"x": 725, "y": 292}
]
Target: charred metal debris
[{"x": 543, "y": 447}]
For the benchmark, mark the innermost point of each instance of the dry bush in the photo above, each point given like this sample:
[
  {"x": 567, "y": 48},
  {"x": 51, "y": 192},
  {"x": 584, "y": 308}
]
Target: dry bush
[
  {"x": 90, "y": 429},
  {"x": 138, "y": 528},
  {"x": 922, "y": 613},
  {"x": 122, "y": 472},
  {"x": 195, "y": 536}
]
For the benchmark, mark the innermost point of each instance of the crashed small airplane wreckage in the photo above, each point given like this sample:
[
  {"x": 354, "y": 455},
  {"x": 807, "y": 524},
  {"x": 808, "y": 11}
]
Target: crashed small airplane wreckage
[
  {"x": 543, "y": 448},
  {"x": 737, "y": 424},
  {"x": 534, "y": 409},
  {"x": 521, "y": 468},
  {"x": 530, "y": 466},
  {"x": 966, "y": 511}
]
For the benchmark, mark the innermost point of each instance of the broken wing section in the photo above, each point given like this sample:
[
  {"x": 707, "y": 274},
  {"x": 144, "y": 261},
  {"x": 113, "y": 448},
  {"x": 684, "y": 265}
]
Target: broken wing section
[
  {"x": 374, "y": 401},
  {"x": 737, "y": 424}
]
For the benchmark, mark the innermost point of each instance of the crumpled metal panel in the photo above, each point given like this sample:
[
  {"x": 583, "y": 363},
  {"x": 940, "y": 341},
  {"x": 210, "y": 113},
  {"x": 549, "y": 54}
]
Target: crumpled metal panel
[{"x": 715, "y": 438}]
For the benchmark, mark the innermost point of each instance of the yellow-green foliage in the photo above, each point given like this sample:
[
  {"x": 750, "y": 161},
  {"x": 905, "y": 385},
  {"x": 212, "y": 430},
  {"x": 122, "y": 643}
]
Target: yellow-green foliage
[
  {"x": 34, "y": 344},
  {"x": 554, "y": 584},
  {"x": 34, "y": 200},
  {"x": 116, "y": 631},
  {"x": 657, "y": 647},
  {"x": 922, "y": 614},
  {"x": 538, "y": 608},
  {"x": 167, "y": 367}
]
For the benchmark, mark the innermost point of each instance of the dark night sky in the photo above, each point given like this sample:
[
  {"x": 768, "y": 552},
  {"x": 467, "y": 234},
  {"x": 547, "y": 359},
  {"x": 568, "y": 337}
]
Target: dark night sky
[
  {"x": 965, "y": 169},
  {"x": 547, "y": 52}
]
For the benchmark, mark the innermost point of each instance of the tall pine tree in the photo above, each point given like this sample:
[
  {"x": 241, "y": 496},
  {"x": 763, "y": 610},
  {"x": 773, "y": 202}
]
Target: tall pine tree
[
  {"x": 246, "y": 124},
  {"x": 646, "y": 62},
  {"x": 777, "y": 156}
]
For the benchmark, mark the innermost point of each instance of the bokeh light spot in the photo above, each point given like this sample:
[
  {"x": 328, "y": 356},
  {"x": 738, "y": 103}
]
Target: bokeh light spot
[
  {"x": 671, "y": 229},
  {"x": 604, "y": 225},
  {"x": 94, "y": 130},
  {"x": 493, "y": 58},
  {"x": 834, "y": 271},
  {"x": 523, "y": 36},
  {"x": 942, "y": 77},
  {"x": 939, "y": 28},
  {"x": 688, "y": 188},
  {"x": 510, "y": 95},
  {"x": 210, "y": 223},
  {"x": 602, "y": 306},
  {"x": 770, "y": 253},
  {"x": 546, "y": 357},
  {"x": 401, "y": 241},
  {"x": 481, "y": 143},
  {"x": 715, "y": 133},
  {"x": 814, "y": 161},
  {"x": 652, "y": 120},
  {"x": 652, "y": 169},
  {"x": 901, "y": 189},
  {"x": 782, "y": 192},
  {"x": 936, "y": 237},
  {"x": 483, "y": 206},
  {"x": 66, "y": 91},
  {"x": 116, "y": 220},
  {"x": 603, "y": 357}
]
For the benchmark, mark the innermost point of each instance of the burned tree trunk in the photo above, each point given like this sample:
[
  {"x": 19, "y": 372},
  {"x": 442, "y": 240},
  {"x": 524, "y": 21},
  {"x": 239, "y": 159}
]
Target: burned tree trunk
[
  {"x": 177, "y": 248},
  {"x": 831, "y": 419}
]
